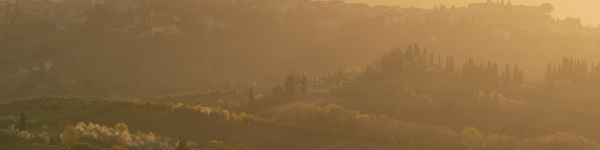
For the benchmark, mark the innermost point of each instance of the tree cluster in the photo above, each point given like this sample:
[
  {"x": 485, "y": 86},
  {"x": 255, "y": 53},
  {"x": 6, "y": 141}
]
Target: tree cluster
[
  {"x": 572, "y": 71},
  {"x": 419, "y": 64}
]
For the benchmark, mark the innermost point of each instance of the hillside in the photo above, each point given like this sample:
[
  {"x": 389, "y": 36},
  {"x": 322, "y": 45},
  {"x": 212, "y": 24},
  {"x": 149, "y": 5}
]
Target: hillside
[
  {"x": 297, "y": 75},
  {"x": 295, "y": 126},
  {"x": 573, "y": 8},
  {"x": 138, "y": 49},
  {"x": 180, "y": 121}
]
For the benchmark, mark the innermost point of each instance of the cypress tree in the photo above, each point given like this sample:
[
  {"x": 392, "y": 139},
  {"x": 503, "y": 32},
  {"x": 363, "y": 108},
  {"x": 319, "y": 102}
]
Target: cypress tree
[
  {"x": 290, "y": 85},
  {"x": 22, "y": 124},
  {"x": 251, "y": 95}
]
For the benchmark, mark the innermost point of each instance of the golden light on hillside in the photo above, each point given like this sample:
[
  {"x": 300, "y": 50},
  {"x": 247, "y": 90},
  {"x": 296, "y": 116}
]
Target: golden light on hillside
[{"x": 299, "y": 75}]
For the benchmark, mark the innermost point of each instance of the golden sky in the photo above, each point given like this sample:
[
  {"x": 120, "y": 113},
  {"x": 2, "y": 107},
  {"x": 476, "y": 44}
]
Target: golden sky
[{"x": 588, "y": 10}]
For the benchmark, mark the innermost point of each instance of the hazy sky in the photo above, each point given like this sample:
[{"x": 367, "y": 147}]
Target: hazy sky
[{"x": 588, "y": 10}]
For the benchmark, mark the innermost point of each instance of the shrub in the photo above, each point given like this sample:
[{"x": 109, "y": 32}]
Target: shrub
[{"x": 44, "y": 137}]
